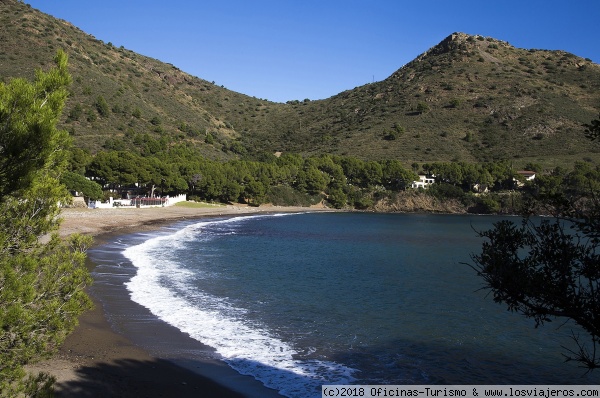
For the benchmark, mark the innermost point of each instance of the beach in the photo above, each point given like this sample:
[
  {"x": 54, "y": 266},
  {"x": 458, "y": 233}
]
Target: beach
[
  {"x": 96, "y": 361},
  {"x": 96, "y": 222}
]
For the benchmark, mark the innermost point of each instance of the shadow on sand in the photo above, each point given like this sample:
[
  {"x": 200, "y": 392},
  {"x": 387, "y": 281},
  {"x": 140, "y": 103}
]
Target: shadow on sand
[{"x": 134, "y": 378}]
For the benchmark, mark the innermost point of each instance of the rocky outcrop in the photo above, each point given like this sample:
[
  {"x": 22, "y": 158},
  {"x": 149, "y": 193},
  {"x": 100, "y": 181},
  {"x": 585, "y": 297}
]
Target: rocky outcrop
[{"x": 416, "y": 202}]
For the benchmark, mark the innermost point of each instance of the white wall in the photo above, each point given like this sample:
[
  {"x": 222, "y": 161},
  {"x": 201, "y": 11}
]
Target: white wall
[{"x": 170, "y": 201}]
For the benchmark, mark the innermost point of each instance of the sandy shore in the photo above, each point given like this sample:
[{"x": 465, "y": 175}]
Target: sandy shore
[
  {"x": 123, "y": 220},
  {"x": 95, "y": 361}
]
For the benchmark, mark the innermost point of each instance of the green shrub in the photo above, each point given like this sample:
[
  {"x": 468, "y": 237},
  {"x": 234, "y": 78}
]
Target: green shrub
[
  {"x": 102, "y": 106},
  {"x": 91, "y": 116},
  {"x": 337, "y": 198},
  {"x": 75, "y": 113},
  {"x": 77, "y": 182},
  {"x": 488, "y": 205},
  {"x": 285, "y": 195}
]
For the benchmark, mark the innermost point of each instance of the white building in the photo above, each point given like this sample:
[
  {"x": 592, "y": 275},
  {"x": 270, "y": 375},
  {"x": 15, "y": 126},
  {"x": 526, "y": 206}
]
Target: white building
[
  {"x": 527, "y": 175},
  {"x": 424, "y": 181}
]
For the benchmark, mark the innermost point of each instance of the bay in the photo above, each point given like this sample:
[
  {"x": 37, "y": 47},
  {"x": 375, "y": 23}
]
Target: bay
[{"x": 301, "y": 300}]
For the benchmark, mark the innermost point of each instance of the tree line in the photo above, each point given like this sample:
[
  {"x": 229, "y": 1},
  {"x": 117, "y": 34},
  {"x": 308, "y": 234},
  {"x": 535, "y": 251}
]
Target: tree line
[
  {"x": 291, "y": 179},
  {"x": 286, "y": 180}
]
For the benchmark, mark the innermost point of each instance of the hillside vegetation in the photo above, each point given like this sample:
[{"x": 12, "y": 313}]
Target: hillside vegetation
[{"x": 469, "y": 98}]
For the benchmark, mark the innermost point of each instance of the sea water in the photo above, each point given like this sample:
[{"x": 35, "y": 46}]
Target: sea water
[{"x": 301, "y": 300}]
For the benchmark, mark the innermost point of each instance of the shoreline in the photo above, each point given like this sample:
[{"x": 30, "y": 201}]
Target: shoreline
[
  {"x": 97, "y": 222},
  {"x": 95, "y": 360}
]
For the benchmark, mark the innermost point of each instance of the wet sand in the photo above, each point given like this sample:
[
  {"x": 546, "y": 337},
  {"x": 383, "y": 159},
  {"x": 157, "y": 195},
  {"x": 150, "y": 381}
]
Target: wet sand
[{"x": 96, "y": 361}]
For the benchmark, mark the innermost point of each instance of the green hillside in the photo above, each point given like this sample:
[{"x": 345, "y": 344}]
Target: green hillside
[
  {"x": 469, "y": 98},
  {"x": 118, "y": 94}
]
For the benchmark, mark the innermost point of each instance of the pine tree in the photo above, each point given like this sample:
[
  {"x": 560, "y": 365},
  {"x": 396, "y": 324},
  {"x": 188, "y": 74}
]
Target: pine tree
[{"x": 41, "y": 284}]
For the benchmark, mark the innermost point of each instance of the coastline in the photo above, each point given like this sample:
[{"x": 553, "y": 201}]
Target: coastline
[
  {"x": 96, "y": 222},
  {"x": 97, "y": 361}
]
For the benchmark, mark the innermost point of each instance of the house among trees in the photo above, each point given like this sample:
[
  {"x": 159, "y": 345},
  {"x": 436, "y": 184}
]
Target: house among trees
[
  {"x": 424, "y": 181},
  {"x": 527, "y": 175}
]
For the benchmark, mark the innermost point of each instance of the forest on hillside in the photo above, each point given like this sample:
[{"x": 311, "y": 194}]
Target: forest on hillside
[{"x": 342, "y": 182}]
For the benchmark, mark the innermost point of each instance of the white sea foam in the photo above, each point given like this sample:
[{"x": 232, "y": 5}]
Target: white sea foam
[{"x": 247, "y": 347}]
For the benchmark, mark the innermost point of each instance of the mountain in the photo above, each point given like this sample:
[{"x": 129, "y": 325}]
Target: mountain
[
  {"x": 118, "y": 94},
  {"x": 469, "y": 98}
]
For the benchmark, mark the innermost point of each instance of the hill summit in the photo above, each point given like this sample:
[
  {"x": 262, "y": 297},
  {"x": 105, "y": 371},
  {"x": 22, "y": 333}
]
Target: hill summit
[{"x": 469, "y": 98}]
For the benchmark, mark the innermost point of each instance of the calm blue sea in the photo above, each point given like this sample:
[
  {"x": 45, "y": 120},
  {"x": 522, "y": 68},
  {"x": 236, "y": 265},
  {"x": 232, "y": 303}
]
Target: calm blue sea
[{"x": 301, "y": 300}]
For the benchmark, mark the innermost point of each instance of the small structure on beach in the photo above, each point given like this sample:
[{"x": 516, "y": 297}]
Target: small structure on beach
[{"x": 138, "y": 202}]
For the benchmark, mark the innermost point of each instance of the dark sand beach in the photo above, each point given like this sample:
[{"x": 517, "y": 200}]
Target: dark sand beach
[{"x": 96, "y": 361}]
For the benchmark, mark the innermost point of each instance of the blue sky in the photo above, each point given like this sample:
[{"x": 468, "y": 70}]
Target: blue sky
[{"x": 284, "y": 50}]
